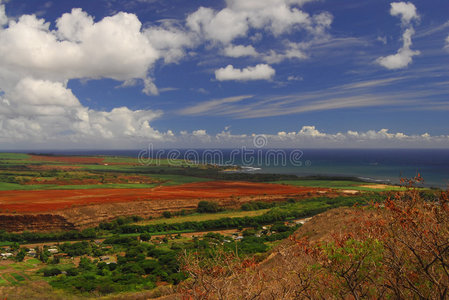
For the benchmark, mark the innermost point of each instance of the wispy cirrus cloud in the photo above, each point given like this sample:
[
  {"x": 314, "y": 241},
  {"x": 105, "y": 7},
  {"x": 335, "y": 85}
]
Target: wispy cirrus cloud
[
  {"x": 211, "y": 105},
  {"x": 379, "y": 92}
]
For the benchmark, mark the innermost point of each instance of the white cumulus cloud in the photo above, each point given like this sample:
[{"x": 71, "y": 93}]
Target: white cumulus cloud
[
  {"x": 36, "y": 63},
  {"x": 114, "y": 47},
  {"x": 42, "y": 111},
  {"x": 3, "y": 17},
  {"x": 239, "y": 18},
  {"x": 292, "y": 51},
  {"x": 309, "y": 136},
  {"x": 170, "y": 41},
  {"x": 258, "y": 72},
  {"x": 407, "y": 12},
  {"x": 403, "y": 57}
]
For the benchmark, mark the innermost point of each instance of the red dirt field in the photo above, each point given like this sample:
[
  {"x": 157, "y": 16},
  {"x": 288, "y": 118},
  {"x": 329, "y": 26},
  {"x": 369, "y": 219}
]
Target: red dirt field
[
  {"x": 55, "y": 200},
  {"x": 68, "y": 159}
]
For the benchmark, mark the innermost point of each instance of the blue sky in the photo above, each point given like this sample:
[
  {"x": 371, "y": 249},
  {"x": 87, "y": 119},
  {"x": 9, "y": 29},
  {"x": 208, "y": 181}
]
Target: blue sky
[{"x": 305, "y": 73}]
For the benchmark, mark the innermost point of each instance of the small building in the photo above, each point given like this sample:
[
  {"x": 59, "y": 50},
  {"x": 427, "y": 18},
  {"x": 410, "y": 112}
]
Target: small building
[{"x": 6, "y": 255}]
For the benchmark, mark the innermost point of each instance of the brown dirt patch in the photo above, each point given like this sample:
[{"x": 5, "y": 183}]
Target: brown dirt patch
[
  {"x": 375, "y": 186},
  {"x": 351, "y": 192}
]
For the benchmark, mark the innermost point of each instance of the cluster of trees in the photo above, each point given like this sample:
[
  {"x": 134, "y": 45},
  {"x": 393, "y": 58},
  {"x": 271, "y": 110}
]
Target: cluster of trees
[
  {"x": 143, "y": 263},
  {"x": 81, "y": 248},
  {"x": 140, "y": 268},
  {"x": 30, "y": 237},
  {"x": 208, "y": 207},
  {"x": 256, "y": 205}
]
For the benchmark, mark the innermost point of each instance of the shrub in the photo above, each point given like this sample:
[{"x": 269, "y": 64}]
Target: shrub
[
  {"x": 208, "y": 207},
  {"x": 51, "y": 272},
  {"x": 72, "y": 272}
]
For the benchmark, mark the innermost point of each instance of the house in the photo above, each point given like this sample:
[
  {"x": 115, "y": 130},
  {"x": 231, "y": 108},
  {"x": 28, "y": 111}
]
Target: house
[
  {"x": 53, "y": 250},
  {"x": 108, "y": 259}
]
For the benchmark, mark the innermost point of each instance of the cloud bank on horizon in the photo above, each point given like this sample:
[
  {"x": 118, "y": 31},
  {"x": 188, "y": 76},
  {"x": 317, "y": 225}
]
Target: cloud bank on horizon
[{"x": 255, "y": 47}]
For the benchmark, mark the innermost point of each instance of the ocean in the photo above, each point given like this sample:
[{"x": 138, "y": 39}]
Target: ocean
[{"x": 377, "y": 165}]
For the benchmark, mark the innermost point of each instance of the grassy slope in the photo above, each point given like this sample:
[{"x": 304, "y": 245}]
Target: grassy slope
[{"x": 197, "y": 217}]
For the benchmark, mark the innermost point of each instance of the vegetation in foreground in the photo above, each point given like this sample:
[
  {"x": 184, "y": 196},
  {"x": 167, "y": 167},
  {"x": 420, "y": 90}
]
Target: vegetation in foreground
[
  {"x": 395, "y": 250},
  {"x": 125, "y": 256}
]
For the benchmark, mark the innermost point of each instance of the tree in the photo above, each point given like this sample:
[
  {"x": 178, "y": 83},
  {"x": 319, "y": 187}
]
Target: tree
[
  {"x": 145, "y": 237},
  {"x": 21, "y": 254}
]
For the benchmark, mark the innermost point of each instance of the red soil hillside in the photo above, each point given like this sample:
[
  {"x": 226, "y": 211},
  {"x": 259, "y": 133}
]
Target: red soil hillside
[
  {"x": 51, "y": 200},
  {"x": 84, "y": 208}
]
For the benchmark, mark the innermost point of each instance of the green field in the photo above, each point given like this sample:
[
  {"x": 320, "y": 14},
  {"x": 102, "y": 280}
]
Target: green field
[
  {"x": 19, "y": 172},
  {"x": 13, "y": 156},
  {"x": 179, "y": 179},
  {"x": 197, "y": 217}
]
